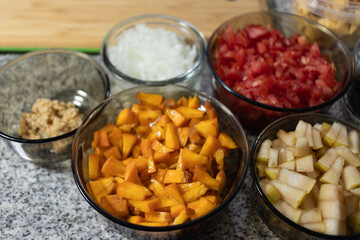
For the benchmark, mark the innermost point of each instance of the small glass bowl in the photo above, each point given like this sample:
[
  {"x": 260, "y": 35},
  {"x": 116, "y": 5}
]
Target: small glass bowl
[
  {"x": 106, "y": 112},
  {"x": 256, "y": 115},
  {"x": 58, "y": 74},
  {"x": 180, "y": 27},
  {"x": 283, "y": 227}
]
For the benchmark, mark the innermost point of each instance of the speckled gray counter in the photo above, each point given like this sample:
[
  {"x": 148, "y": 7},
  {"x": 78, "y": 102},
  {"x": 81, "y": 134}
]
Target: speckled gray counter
[{"x": 42, "y": 202}]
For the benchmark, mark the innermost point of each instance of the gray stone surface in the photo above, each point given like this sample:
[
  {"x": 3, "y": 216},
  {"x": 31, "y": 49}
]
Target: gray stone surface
[{"x": 42, "y": 201}]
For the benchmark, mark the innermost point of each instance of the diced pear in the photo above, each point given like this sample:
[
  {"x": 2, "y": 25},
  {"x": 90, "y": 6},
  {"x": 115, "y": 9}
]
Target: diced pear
[
  {"x": 354, "y": 141},
  {"x": 278, "y": 143},
  {"x": 289, "y": 156},
  {"x": 318, "y": 126},
  {"x": 282, "y": 156},
  {"x": 348, "y": 155},
  {"x": 335, "y": 227},
  {"x": 305, "y": 164},
  {"x": 296, "y": 180},
  {"x": 270, "y": 190},
  {"x": 260, "y": 166},
  {"x": 308, "y": 202},
  {"x": 287, "y": 137},
  {"x": 351, "y": 203},
  {"x": 326, "y": 127},
  {"x": 332, "y": 134},
  {"x": 325, "y": 162},
  {"x": 314, "y": 174},
  {"x": 317, "y": 139},
  {"x": 311, "y": 215},
  {"x": 356, "y": 191},
  {"x": 309, "y": 135},
  {"x": 351, "y": 177},
  {"x": 272, "y": 173},
  {"x": 342, "y": 138},
  {"x": 315, "y": 191},
  {"x": 333, "y": 174},
  {"x": 289, "y": 194},
  {"x": 330, "y": 192},
  {"x": 332, "y": 209},
  {"x": 288, "y": 165},
  {"x": 273, "y": 157},
  {"x": 264, "y": 152},
  {"x": 292, "y": 213},
  {"x": 302, "y": 147},
  {"x": 315, "y": 226},
  {"x": 300, "y": 130}
]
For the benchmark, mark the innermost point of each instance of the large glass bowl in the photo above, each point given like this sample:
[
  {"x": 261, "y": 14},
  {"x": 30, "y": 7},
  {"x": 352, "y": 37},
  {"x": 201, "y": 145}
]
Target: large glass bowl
[
  {"x": 180, "y": 27},
  {"x": 276, "y": 221},
  {"x": 107, "y": 111},
  {"x": 55, "y": 74},
  {"x": 257, "y": 115}
]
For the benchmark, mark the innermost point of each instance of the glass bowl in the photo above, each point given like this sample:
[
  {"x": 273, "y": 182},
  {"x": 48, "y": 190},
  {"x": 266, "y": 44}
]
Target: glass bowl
[
  {"x": 180, "y": 28},
  {"x": 341, "y": 16},
  {"x": 55, "y": 74},
  {"x": 107, "y": 111},
  {"x": 276, "y": 221},
  {"x": 256, "y": 115}
]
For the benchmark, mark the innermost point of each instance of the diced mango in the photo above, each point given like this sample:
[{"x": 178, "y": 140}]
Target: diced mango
[
  {"x": 171, "y": 137},
  {"x": 103, "y": 139},
  {"x": 131, "y": 173},
  {"x": 174, "y": 176},
  {"x": 208, "y": 128},
  {"x": 190, "y": 112},
  {"x": 210, "y": 146},
  {"x": 184, "y": 215},
  {"x": 191, "y": 159},
  {"x": 113, "y": 167},
  {"x": 145, "y": 206},
  {"x": 135, "y": 219},
  {"x": 151, "y": 165},
  {"x": 176, "y": 210},
  {"x": 161, "y": 157},
  {"x": 202, "y": 207},
  {"x": 178, "y": 119},
  {"x": 194, "y": 193},
  {"x": 202, "y": 176},
  {"x": 133, "y": 191},
  {"x": 118, "y": 205},
  {"x": 183, "y": 135},
  {"x": 145, "y": 147},
  {"x": 153, "y": 99},
  {"x": 194, "y": 102},
  {"x": 210, "y": 111},
  {"x": 126, "y": 116},
  {"x": 226, "y": 141},
  {"x": 115, "y": 138},
  {"x": 173, "y": 191},
  {"x": 221, "y": 178},
  {"x": 147, "y": 116},
  {"x": 158, "y": 146},
  {"x": 102, "y": 187},
  {"x": 113, "y": 151},
  {"x": 129, "y": 140}
]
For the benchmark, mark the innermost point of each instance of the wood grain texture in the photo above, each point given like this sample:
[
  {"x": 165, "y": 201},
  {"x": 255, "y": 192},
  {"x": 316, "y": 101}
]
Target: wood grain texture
[{"x": 84, "y": 23}]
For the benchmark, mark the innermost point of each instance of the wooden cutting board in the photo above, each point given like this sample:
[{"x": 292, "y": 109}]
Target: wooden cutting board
[{"x": 82, "y": 24}]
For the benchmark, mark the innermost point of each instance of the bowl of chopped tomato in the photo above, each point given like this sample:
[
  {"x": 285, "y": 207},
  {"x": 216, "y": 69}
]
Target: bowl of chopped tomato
[
  {"x": 160, "y": 161},
  {"x": 265, "y": 66}
]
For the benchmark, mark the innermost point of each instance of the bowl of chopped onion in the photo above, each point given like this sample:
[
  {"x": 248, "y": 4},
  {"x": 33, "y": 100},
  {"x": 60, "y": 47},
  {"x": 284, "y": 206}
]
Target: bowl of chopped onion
[
  {"x": 267, "y": 65},
  {"x": 153, "y": 50}
]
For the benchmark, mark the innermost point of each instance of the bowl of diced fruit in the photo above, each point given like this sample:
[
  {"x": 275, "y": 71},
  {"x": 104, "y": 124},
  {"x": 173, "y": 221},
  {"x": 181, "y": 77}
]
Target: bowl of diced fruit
[
  {"x": 265, "y": 66},
  {"x": 305, "y": 169},
  {"x": 159, "y": 161}
]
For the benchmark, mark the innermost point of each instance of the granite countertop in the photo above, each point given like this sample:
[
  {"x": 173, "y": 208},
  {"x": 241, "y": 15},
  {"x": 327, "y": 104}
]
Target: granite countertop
[{"x": 43, "y": 202}]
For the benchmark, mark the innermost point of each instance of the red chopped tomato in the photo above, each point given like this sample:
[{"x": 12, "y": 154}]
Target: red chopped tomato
[{"x": 263, "y": 65}]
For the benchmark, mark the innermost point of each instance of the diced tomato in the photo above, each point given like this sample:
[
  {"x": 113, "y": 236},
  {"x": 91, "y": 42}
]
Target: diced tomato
[{"x": 262, "y": 64}]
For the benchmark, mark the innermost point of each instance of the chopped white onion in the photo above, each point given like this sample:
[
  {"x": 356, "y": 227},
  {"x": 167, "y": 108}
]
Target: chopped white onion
[{"x": 152, "y": 53}]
